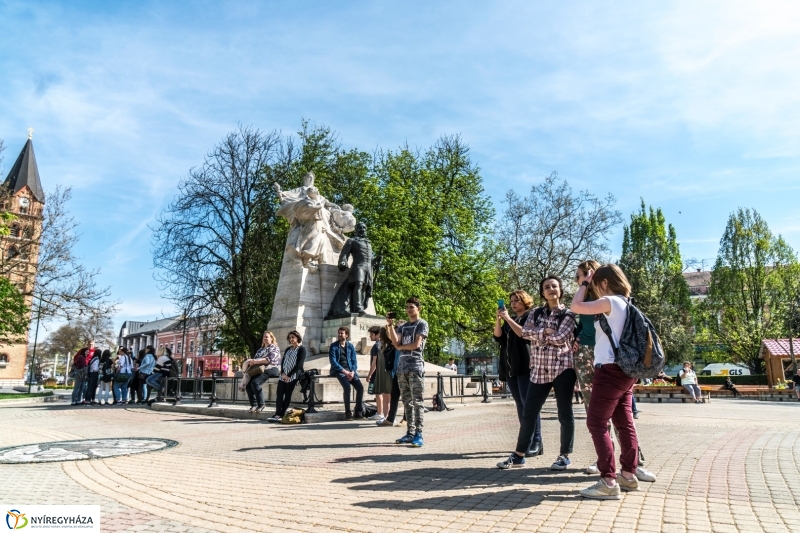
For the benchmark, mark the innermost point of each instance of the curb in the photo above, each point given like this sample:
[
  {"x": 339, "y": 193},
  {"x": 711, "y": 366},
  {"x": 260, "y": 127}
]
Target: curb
[
  {"x": 23, "y": 401},
  {"x": 241, "y": 414}
]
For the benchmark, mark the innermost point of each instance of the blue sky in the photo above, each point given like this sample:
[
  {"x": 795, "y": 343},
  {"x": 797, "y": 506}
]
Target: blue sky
[{"x": 693, "y": 107}]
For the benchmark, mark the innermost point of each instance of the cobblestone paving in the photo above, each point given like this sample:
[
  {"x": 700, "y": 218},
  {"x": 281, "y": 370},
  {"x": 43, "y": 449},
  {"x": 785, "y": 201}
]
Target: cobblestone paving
[{"x": 730, "y": 466}]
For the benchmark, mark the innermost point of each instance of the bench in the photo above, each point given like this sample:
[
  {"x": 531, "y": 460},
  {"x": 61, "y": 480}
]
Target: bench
[
  {"x": 777, "y": 395},
  {"x": 668, "y": 394}
]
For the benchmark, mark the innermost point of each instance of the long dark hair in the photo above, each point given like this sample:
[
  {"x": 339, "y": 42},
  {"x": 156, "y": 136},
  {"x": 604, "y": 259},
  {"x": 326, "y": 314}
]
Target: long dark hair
[{"x": 106, "y": 356}]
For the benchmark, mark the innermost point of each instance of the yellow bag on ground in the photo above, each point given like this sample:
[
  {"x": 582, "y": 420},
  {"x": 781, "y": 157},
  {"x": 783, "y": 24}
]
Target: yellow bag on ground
[{"x": 294, "y": 416}]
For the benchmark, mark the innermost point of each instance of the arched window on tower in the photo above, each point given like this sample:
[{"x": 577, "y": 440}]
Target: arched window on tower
[
  {"x": 14, "y": 230},
  {"x": 12, "y": 252},
  {"x": 24, "y": 205},
  {"x": 27, "y": 233},
  {"x": 3, "y": 360}
]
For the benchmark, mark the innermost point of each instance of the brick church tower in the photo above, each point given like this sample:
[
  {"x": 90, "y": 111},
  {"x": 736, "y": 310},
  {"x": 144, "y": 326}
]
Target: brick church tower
[{"x": 23, "y": 196}]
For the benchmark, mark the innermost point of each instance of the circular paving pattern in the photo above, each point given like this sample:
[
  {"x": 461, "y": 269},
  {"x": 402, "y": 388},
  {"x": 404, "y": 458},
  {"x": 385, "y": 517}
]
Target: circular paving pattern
[{"x": 77, "y": 450}]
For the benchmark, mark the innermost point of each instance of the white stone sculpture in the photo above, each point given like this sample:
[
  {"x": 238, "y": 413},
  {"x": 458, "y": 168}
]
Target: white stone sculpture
[{"x": 310, "y": 276}]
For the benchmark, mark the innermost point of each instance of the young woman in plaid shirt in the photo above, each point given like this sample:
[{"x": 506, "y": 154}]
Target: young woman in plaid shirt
[{"x": 550, "y": 329}]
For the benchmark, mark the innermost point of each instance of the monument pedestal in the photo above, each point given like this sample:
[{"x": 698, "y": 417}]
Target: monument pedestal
[{"x": 303, "y": 299}]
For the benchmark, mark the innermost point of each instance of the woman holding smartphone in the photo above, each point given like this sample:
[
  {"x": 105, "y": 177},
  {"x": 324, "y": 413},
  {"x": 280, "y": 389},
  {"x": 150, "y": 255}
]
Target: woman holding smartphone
[{"x": 516, "y": 352}]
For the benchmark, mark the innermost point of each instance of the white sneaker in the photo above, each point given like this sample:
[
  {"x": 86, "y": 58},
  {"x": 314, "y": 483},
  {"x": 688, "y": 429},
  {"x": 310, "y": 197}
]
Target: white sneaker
[
  {"x": 592, "y": 469},
  {"x": 601, "y": 491},
  {"x": 642, "y": 474},
  {"x": 376, "y": 416},
  {"x": 628, "y": 485}
]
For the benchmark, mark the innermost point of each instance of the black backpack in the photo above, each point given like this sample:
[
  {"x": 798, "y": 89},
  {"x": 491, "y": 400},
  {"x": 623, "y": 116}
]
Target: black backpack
[{"x": 639, "y": 353}]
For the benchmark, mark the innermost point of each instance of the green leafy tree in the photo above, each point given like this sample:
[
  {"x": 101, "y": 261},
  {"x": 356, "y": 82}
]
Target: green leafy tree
[
  {"x": 651, "y": 259},
  {"x": 748, "y": 298},
  {"x": 428, "y": 215},
  {"x": 14, "y": 313}
]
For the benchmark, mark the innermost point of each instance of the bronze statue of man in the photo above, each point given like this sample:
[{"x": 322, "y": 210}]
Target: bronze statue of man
[{"x": 356, "y": 290}]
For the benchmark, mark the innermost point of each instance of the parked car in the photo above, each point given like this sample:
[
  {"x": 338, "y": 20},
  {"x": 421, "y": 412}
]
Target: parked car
[{"x": 724, "y": 369}]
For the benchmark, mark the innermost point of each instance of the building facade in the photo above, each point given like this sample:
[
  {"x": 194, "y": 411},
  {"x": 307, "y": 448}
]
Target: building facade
[
  {"x": 22, "y": 196},
  {"x": 193, "y": 342}
]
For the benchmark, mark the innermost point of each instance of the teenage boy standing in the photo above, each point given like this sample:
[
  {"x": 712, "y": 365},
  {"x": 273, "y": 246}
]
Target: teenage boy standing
[{"x": 409, "y": 338}]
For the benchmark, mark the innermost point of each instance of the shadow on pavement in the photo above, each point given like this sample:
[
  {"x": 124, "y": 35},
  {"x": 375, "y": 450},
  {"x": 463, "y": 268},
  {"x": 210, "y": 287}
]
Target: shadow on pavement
[
  {"x": 488, "y": 456},
  {"x": 437, "y": 479},
  {"x": 302, "y": 447},
  {"x": 507, "y": 500}
]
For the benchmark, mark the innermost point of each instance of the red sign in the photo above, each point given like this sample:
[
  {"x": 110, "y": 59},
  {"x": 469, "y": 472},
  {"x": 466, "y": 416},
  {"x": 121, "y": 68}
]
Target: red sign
[{"x": 211, "y": 362}]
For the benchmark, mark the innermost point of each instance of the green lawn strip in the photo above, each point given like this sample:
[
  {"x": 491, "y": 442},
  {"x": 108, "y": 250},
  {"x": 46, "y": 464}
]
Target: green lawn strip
[{"x": 18, "y": 395}]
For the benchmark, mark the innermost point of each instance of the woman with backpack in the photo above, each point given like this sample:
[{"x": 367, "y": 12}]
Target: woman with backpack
[
  {"x": 106, "y": 377},
  {"x": 612, "y": 389},
  {"x": 516, "y": 351},
  {"x": 391, "y": 358},
  {"x": 550, "y": 329}
]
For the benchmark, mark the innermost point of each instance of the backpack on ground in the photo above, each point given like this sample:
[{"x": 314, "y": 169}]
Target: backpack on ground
[
  {"x": 639, "y": 353},
  {"x": 368, "y": 411},
  {"x": 438, "y": 403},
  {"x": 294, "y": 416}
]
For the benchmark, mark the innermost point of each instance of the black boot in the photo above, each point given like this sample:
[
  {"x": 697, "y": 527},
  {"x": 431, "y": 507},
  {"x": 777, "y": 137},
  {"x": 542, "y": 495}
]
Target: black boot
[{"x": 537, "y": 448}]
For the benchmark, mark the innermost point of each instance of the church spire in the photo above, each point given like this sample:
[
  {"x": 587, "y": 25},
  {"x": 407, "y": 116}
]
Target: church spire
[{"x": 26, "y": 172}]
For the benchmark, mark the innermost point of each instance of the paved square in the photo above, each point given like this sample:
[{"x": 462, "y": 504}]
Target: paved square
[{"x": 722, "y": 467}]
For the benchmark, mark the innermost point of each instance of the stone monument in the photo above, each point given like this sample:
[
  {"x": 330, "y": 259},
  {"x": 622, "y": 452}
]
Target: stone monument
[{"x": 315, "y": 270}]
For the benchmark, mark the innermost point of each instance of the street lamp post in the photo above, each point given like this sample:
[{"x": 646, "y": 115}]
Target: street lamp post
[{"x": 35, "y": 339}]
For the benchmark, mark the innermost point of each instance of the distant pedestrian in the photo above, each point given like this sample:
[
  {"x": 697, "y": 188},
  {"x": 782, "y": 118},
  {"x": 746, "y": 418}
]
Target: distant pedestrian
[
  {"x": 409, "y": 338},
  {"x": 146, "y": 366},
  {"x": 689, "y": 382},
  {"x": 731, "y": 387},
  {"x": 106, "y": 377},
  {"x": 294, "y": 358},
  {"x": 550, "y": 328},
  {"x": 796, "y": 381},
  {"x": 123, "y": 376},
  {"x": 344, "y": 365},
  {"x": 451, "y": 365},
  {"x": 80, "y": 377},
  {"x": 93, "y": 367},
  {"x": 160, "y": 374}
]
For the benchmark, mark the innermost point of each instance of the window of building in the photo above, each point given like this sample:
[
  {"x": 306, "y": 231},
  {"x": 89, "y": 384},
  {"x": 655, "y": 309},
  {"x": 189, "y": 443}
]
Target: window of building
[
  {"x": 4, "y": 358},
  {"x": 180, "y": 347},
  {"x": 27, "y": 233},
  {"x": 12, "y": 252},
  {"x": 24, "y": 205},
  {"x": 15, "y": 230},
  {"x": 191, "y": 346}
]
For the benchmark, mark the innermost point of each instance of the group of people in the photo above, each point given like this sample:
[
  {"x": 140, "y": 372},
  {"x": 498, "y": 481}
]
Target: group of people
[
  {"x": 119, "y": 377},
  {"x": 396, "y": 371},
  {"x": 550, "y": 348}
]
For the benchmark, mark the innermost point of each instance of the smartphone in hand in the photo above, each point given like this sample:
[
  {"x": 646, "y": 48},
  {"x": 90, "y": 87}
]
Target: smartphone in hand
[
  {"x": 501, "y": 304},
  {"x": 391, "y": 314}
]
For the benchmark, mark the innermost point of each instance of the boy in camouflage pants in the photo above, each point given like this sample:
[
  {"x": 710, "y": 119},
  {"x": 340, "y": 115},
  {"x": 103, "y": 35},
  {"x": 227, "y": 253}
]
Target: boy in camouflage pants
[{"x": 409, "y": 339}]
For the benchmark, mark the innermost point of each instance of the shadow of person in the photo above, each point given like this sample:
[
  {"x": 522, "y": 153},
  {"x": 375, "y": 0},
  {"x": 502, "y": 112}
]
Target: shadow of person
[
  {"x": 505, "y": 500},
  {"x": 438, "y": 479}
]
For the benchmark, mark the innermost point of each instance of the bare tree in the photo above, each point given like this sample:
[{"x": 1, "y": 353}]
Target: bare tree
[
  {"x": 214, "y": 245},
  {"x": 50, "y": 273},
  {"x": 552, "y": 230}
]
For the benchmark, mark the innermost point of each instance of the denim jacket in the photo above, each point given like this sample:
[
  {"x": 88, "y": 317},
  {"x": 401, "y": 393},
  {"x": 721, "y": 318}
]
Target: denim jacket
[
  {"x": 333, "y": 355},
  {"x": 147, "y": 364}
]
